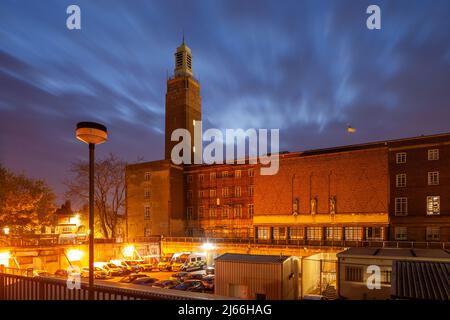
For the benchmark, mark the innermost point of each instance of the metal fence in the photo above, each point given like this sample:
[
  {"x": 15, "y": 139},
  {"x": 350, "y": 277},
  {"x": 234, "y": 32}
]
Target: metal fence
[
  {"x": 22, "y": 287},
  {"x": 314, "y": 243}
]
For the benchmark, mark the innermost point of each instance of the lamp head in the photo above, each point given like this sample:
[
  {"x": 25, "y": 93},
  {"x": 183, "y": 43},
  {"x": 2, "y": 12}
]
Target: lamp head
[{"x": 91, "y": 132}]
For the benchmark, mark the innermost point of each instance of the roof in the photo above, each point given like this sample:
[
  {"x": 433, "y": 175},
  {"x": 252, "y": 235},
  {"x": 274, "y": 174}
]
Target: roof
[
  {"x": 420, "y": 280},
  {"x": 251, "y": 258},
  {"x": 396, "y": 254}
]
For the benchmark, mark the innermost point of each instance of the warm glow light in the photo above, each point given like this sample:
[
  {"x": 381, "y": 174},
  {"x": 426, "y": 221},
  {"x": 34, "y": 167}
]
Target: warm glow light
[
  {"x": 4, "y": 258},
  {"x": 6, "y": 230},
  {"x": 128, "y": 251},
  {"x": 208, "y": 246},
  {"x": 75, "y": 220},
  {"x": 74, "y": 255}
]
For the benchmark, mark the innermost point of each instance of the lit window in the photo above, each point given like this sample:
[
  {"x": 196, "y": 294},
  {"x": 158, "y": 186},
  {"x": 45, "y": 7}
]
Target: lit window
[
  {"x": 401, "y": 206},
  {"x": 237, "y": 191},
  {"x": 200, "y": 212},
  {"x": 296, "y": 233},
  {"x": 147, "y": 176},
  {"x": 314, "y": 233},
  {"x": 400, "y": 180},
  {"x": 401, "y": 233},
  {"x": 400, "y": 157},
  {"x": 146, "y": 193},
  {"x": 433, "y": 178},
  {"x": 433, "y": 154},
  {"x": 251, "y": 172},
  {"x": 212, "y": 193},
  {"x": 333, "y": 233},
  {"x": 237, "y": 173},
  {"x": 147, "y": 232},
  {"x": 238, "y": 211},
  {"x": 225, "y": 192},
  {"x": 212, "y": 212},
  {"x": 250, "y": 190},
  {"x": 224, "y": 174},
  {"x": 433, "y": 233},
  {"x": 189, "y": 213},
  {"x": 433, "y": 205},
  {"x": 225, "y": 211},
  {"x": 279, "y": 233},
  {"x": 250, "y": 210},
  {"x": 263, "y": 232},
  {"x": 212, "y": 176},
  {"x": 374, "y": 233},
  {"x": 353, "y": 233}
]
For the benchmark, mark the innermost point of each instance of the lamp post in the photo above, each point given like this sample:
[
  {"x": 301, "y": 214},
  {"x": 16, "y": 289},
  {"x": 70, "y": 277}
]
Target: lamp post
[{"x": 91, "y": 133}]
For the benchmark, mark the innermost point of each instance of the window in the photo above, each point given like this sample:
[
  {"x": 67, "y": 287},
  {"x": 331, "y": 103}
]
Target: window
[
  {"x": 401, "y": 233},
  {"x": 296, "y": 233},
  {"x": 237, "y": 173},
  {"x": 212, "y": 193},
  {"x": 433, "y": 154},
  {"x": 189, "y": 179},
  {"x": 374, "y": 233},
  {"x": 238, "y": 211},
  {"x": 386, "y": 277},
  {"x": 146, "y": 194},
  {"x": 250, "y": 210},
  {"x": 314, "y": 233},
  {"x": 200, "y": 212},
  {"x": 279, "y": 233},
  {"x": 400, "y": 180},
  {"x": 189, "y": 213},
  {"x": 201, "y": 177},
  {"x": 212, "y": 212},
  {"x": 189, "y": 194},
  {"x": 263, "y": 232},
  {"x": 250, "y": 190},
  {"x": 147, "y": 213},
  {"x": 353, "y": 233},
  {"x": 212, "y": 176},
  {"x": 147, "y": 176},
  {"x": 224, "y": 174},
  {"x": 400, "y": 157},
  {"x": 219, "y": 212},
  {"x": 251, "y": 172},
  {"x": 225, "y": 211},
  {"x": 433, "y": 233},
  {"x": 433, "y": 178},
  {"x": 225, "y": 192},
  {"x": 354, "y": 274},
  {"x": 237, "y": 191},
  {"x": 433, "y": 205},
  {"x": 333, "y": 233},
  {"x": 401, "y": 206},
  {"x": 147, "y": 232}
]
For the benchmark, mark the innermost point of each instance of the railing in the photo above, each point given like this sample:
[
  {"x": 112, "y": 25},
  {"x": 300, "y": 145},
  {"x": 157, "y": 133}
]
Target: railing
[
  {"x": 19, "y": 287},
  {"x": 314, "y": 243}
]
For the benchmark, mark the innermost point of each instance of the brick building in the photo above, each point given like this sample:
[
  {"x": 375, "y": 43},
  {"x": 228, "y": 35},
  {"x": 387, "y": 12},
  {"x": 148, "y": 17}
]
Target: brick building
[{"x": 389, "y": 190}]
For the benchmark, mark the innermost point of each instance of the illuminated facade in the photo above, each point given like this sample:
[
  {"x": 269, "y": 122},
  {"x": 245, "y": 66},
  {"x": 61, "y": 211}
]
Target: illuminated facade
[{"x": 352, "y": 193}]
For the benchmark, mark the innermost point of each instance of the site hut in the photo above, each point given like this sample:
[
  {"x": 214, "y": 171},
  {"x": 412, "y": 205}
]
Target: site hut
[
  {"x": 260, "y": 277},
  {"x": 356, "y": 265}
]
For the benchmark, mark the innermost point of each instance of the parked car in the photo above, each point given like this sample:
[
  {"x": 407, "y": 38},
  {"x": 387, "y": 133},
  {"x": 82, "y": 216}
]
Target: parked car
[
  {"x": 168, "y": 284},
  {"x": 99, "y": 273},
  {"x": 41, "y": 273},
  {"x": 164, "y": 263},
  {"x": 147, "y": 281},
  {"x": 195, "y": 276},
  {"x": 202, "y": 287},
  {"x": 61, "y": 273},
  {"x": 110, "y": 268},
  {"x": 210, "y": 270},
  {"x": 194, "y": 261},
  {"x": 131, "y": 277},
  {"x": 179, "y": 276},
  {"x": 186, "y": 285}
]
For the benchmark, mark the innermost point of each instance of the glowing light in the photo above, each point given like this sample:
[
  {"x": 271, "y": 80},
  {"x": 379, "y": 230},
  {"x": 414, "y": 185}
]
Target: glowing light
[
  {"x": 74, "y": 255},
  {"x": 6, "y": 230},
  {"x": 208, "y": 246},
  {"x": 4, "y": 258},
  {"x": 350, "y": 129},
  {"x": 128, "y": 251},
  {"x": 75, "y": 220}
]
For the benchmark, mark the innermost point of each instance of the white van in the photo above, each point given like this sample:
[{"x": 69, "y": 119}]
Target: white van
[{"x": 195, "y": 261}]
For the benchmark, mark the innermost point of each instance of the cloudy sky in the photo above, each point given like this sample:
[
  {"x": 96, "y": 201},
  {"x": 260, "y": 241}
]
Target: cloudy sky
[{"x": 309, "y": 68}]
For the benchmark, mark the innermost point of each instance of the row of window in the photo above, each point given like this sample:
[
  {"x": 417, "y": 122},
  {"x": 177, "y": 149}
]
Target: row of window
[
  {"x": 223, "y": 174},
  {"x": 356, "y": 274},
  {"x": 223, "y": 212},
  {"x": 433, "y": 154},
  {"x": 433, "y": 179},
  {"x": 433, "y": 205},
  {"x": 226, "y": 192},
  {"x": 432, "y": 233},
  {"x": 320, "y": 233}
]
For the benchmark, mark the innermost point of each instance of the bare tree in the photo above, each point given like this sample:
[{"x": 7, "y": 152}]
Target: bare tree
[{"x": 109, "y": 184}]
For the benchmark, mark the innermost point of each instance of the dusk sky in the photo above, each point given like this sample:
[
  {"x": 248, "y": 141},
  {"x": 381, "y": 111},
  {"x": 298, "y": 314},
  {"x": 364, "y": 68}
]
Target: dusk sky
[{"x": 309, "y": 68}]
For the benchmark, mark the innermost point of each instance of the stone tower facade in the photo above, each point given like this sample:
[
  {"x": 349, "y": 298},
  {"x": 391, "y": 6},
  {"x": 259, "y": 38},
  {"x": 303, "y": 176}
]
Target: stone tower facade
[{"x": 183, "y": 101}]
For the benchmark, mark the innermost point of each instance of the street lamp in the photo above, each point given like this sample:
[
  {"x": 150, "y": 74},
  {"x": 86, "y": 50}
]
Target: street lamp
[{"x": 91, "y": 133}]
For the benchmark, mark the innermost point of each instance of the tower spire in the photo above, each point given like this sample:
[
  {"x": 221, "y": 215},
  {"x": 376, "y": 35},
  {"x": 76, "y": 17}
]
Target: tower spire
[{"x": 183, "y": 60}]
